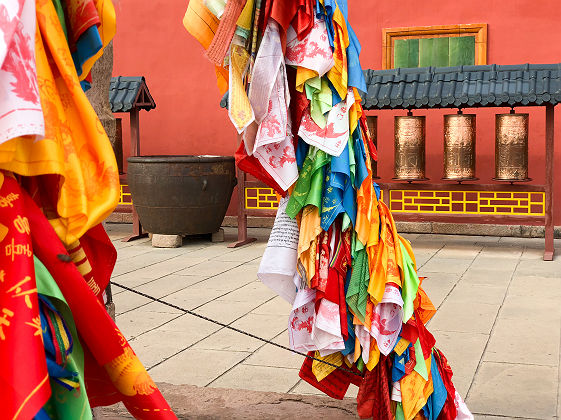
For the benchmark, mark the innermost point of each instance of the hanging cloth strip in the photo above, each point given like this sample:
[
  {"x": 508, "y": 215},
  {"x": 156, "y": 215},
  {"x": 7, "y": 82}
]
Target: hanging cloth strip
[
  {"x": 75, "y": 145},
  {"x": 202, "y": 24},
  {"x": 114, "y": 372},
  {"x": 65, "y": 402},
  {"x": 24, "y": 381},
  {"x": 269, "y": 138},
  {"x": 218, "y": 48},
  {"x": 20, "y": 108}
]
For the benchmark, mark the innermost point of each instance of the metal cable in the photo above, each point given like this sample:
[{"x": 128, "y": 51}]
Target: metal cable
[{"x": 187, "y": 311}]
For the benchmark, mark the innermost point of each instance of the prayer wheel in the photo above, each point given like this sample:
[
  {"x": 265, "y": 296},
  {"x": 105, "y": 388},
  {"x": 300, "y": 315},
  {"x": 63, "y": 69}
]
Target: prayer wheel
[
  {"x": 511, "y": 147},
  {"x": 409, "y": 148},
  {"x": 459, "y": 147},
  {"x": 372, "y": 124}
]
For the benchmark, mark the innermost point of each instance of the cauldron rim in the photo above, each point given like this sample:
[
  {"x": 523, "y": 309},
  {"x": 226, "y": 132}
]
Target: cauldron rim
[{"x": 180, "y": 159}]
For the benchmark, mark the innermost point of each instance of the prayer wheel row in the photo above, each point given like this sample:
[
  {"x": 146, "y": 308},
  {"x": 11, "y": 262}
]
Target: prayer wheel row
[{"x": 511, "y": 147}]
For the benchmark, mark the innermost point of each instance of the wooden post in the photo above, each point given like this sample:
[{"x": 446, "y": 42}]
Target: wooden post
[
  {"x": 135, "y": 132},
  {"x": 135, "y": 151},
  {"x": 549, "y": 165},
  {"x": 242, "y": 216}
]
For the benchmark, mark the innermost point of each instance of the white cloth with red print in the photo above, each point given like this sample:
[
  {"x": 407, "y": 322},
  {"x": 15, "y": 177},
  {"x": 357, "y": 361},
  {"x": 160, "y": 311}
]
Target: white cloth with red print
[
  {"x": 386, "y": 323},
  {"x": 333, "y": 138},
  {"x": 20, "y": 106},
  {"x": 313, "y": 52},
  {"x": 269, "y": 137}
]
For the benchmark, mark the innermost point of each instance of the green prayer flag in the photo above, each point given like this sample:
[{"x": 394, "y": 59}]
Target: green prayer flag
[
  {"x": 309, "y": 187},
  {"x": 420, "y": 366},
  {"x": 357, "y": 292},
  {"x": 399, "y": 414},
  {"x": 410, "y": 284},
  {"x": 321, "y": 99},
  {"x": 64, "y": 404}
]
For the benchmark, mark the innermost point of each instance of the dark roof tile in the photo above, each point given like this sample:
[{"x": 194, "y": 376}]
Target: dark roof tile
[
  {"x": 125, "y": 92},
  {"x": 463, "y": 86}
]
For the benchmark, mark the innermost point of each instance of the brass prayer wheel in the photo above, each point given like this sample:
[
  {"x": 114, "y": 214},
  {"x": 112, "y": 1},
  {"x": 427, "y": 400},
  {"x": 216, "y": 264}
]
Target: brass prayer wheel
[
  {"x": 372, "y": 125},
  {"x": 409, "y": 148},
  {"x": 511, "y": 147},
  {"x": 459, "y": 147}
]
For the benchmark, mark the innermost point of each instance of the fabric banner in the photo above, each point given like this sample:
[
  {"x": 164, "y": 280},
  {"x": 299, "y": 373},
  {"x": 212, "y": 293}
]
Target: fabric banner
[
  {"x": 278, "y": 265},
  {"x": 24, "y": 381},
  {"x": 333, "y": 138},
  {"x": 113, "y": 371},
  {"x": 20, "y": 108}
]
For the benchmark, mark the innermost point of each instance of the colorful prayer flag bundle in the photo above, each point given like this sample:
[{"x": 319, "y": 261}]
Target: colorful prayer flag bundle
[
  {"x": 334, "y": 252},
  {"x": 61, "y": 352}
]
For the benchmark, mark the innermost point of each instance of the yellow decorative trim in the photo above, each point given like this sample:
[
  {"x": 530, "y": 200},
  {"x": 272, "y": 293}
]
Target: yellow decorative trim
[
  {"x": 125, "y": 197},
  {"x": 479, "y": 30},
  {"x": 512, "y": 203},
  {"x": 261, "y": 198}
]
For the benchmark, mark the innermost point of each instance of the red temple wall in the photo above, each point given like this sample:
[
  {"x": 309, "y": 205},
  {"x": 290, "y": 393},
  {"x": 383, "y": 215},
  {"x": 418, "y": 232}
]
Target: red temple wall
[{"x": 152, "y": 42}]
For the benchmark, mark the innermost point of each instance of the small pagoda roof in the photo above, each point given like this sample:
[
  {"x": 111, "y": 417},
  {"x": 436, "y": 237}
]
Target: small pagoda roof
[
  {"x": 127, "y": 93},
  {"x": 463, "y": 87}
]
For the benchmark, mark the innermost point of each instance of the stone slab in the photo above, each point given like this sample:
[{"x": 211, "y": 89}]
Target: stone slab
[
  {"x": 514, "y": 390},
  {"x": 258, "y": 378},
  {"x": 196, "y": 366},
  {"x": 516, "y": 341},
  {"x": 196, "y": 403}
]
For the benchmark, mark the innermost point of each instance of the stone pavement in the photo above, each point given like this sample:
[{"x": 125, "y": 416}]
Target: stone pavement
[{"x": 498, "y": 319}]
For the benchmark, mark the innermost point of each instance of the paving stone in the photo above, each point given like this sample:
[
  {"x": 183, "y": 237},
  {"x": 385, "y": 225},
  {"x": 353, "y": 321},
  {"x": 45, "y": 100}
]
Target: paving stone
[
  {"x": 136, "y": 322},
  {"x": 168, "y": 284},
  {"x": 514, "y": 390},
  {"x": 254, "y": 291},
  {"x": 128, "y": 301},
  {"x": 275, "y": 306},
  {"x": 198, "y": 367},
  {"x": 229, "y": 340},
  {"x": 515, "y": 340},
  {"x": 270, "y": 355},
  {"x": 131, "y": 251},
  {"x": 483, "y": 293},
  {"x": 463, "y": 351},
  {"x": 258, "y": 378},
  {"x": 438, "y": 285},
  {"x": 476, "y": 276},
  {"x": 446, "y": 265},
  {"x": 226, "y": 311},
  {"x": 492, "y": 264},
  {"x": 244, "y": 253},
  {"x": 193, "y": 297},
  {"x": 536, "y": 286},
  {"x": 160, "y": 307},
  {"x": 262, "y": 325},
  {"x": 537, "y": 307},
  {"x": 209, "y": 268},
  {"x": 503, "y": 251},
  {"x": 145, "y": 260},
  {"x": 459, "y": 250},
  {"x": 540, "y": 268},
  {"x": 461, "y": 315}
]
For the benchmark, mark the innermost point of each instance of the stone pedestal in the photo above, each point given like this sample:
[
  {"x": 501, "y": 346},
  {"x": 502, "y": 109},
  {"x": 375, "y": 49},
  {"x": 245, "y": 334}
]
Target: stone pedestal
[
  {"x": 166, "y": 241},
  {"x": 218, "y": 236}
]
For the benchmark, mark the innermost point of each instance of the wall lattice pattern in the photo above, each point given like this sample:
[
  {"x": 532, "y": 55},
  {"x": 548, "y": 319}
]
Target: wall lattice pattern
[
  {"x": 468, "y": 202},
  {"x": 125, "y": 195},
  {"x": 261, "y": 198}
]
